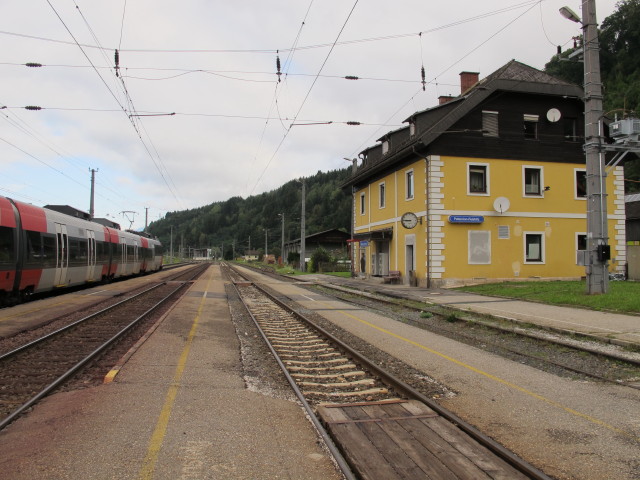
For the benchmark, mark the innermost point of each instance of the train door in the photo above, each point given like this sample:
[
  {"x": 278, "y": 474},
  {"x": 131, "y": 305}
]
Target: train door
[
  {"x": 123, "y": 257},
  {"x": 136, "y": 260},
  {"x": 91, "y": 257},
  {"x": 62, "y": 255}
]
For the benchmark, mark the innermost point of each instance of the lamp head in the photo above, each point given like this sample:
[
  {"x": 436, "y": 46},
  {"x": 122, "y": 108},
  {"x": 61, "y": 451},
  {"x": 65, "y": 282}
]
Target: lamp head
[{"x": 567, "y": 13}]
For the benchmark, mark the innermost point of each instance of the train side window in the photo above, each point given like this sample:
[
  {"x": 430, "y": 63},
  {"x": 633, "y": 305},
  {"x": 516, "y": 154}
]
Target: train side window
[
  {"x": 34, "y": 248},
  {"x": 48, "y": 250},
  {"x": 102, "y": 252},
  {"x": 7, "y": 247}
]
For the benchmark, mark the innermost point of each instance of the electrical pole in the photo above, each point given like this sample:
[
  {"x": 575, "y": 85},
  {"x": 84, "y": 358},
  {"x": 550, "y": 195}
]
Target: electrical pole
[
  {"x": 302, "y": 231},
  {"x": 354, "y": 170},
  {"x": 282, "y": 241},
  {"x": 597, "y": 236},
  {"x": 265, "y": 244},
  {"x": 598, "y": 250},
  {"x": 171, "y": 247},
  {"x": 93, "y": 189},
  {"x": 146, "y": 218}
]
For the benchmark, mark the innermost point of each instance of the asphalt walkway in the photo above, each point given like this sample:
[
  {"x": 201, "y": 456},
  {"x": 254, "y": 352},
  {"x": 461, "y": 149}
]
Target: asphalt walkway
[{"x": 614, "y": 328}]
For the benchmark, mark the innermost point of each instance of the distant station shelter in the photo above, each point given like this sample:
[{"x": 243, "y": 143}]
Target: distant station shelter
[{"x": 330, "y": 240}]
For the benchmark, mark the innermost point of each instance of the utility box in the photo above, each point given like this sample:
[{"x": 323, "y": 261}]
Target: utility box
[{"x": 622, "y": 129}]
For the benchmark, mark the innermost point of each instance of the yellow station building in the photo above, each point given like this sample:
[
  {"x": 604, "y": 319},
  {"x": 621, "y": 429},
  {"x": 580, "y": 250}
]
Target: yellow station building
[{"x": 487, "y": 186}]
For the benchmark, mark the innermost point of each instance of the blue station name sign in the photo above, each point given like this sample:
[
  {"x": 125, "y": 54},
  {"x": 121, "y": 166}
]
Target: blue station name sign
[{"x": 466, "y": 219}]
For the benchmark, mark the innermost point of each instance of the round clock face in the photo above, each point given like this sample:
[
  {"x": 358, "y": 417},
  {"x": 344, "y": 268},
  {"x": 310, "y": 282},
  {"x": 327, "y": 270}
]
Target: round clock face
[{"x": 409, "y": 220}]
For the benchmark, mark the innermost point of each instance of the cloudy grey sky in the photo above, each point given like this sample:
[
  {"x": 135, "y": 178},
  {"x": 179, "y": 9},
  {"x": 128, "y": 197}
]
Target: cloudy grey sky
[{"x": 196, "y": 113}]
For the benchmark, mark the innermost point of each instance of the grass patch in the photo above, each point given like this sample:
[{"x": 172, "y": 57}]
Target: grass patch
[
  {"x": 622, "y": 297},
  {"x": 338, "y": 274}
]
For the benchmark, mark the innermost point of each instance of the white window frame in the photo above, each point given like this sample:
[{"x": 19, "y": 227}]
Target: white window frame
[
  {"x": 487, "y": 233},
  {"x": 542, "y": 260},
  {"x": 540, "y": 193},
  {"x": 575, "y": 183},
  {"x": 382, "y": 194},
  {"x": 586, "y": 241},
  {"x": 363, "y": 204},
  {"x": 409, "y": 184},
  {"x": 470, "y": 165}
]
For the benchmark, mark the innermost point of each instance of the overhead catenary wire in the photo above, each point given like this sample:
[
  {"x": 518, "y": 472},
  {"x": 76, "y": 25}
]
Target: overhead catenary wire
[
  {"x": 124, "y": 109},
  {"x": 305, "y": 97},
  {"x": 389, "y": 119},
  {"x": 271, "y": 51}
]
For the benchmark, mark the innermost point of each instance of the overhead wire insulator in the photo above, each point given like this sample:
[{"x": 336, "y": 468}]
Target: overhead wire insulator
[
  {"x": 33, "y": 64},
  {"x": 279, "y": 73},
  {"x": 424, "y": 82},
  {"x": 352, "y": 77},
  {"x": 117, "y": 62},
  {"x": 353, "y": 123},
  {"x": 32, "y": 107}
]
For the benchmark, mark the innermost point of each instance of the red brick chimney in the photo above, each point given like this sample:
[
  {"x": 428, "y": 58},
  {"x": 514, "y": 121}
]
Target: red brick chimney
[
  {"x": 468, "y": 80},
  {"x": 442, "y": 99}
]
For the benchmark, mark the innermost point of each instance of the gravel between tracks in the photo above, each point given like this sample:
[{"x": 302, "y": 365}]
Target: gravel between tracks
[
  {"x": 263, "y": 374},
  {"x": 534, "y": 352}
]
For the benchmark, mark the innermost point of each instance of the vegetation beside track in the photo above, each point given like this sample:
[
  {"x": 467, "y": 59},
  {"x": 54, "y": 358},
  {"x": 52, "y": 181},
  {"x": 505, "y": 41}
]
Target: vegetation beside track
[{"x": 622, "y": 297}]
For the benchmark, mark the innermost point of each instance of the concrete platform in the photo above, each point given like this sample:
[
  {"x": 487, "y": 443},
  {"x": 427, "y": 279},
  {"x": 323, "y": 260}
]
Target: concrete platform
[
  {"x": 615, "y": 328},
  {"x": 569, "y": 429},
  {"x": 178, "y": 409}
]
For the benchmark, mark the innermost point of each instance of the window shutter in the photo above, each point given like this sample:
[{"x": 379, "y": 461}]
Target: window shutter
[{"x": 489, "y": 124}]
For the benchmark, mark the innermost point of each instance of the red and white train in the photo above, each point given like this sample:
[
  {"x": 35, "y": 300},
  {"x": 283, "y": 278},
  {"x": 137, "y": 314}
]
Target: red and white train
[{"x": 43, "y": 249}]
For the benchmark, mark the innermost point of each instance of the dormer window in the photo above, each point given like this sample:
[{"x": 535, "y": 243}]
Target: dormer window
[
  {"x": 489, "y": 123},
  {"x": 531, "y": 126},
  {"x": 385, "y": 147},
  {"x": 412, "y": 128}
]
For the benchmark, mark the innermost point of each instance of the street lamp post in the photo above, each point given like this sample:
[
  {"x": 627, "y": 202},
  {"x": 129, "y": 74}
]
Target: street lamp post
[{"x": 597, "y": 235}]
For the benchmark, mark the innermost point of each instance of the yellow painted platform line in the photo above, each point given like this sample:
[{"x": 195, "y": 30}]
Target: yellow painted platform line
[
  {"x": 149, "y": 464},
  {"x": 488, "y": 375}
]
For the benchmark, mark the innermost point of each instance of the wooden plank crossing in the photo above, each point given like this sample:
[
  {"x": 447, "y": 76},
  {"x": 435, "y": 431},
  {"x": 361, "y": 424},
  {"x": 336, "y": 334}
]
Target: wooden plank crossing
[{"x": 405, "y": 439}]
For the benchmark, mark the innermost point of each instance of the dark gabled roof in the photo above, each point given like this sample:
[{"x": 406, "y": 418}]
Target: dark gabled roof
[{"x": 433, "y": 122}]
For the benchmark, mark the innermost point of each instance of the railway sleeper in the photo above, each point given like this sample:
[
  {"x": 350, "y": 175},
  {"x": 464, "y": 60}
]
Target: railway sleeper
[
  {"x": 296, "y": 342},
  {"x": 355, "y": 383},
  {"x": 303, "y": 362},
  {"x": 355, "y": 373},
  {"x": 318, "y": 369},
  {"x": 369, "y": 391},
  {"x": 303, "y": 351}
]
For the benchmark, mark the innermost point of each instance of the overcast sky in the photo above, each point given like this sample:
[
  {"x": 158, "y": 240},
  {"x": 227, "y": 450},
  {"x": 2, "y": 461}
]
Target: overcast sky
[{"x": 197, "y": 114}]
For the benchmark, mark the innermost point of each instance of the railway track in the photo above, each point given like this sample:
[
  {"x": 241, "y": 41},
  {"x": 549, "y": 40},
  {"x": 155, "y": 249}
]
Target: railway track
[
  {"x": 326, "y": 373},
  {"x": 549, "y": 352},
  {"x": 33, "y": 370},
  {"x": 554, "y": 353}
]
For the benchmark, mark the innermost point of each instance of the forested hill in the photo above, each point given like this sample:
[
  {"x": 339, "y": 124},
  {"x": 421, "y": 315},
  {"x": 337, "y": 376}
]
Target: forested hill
[{"x": 232, "y": 222}]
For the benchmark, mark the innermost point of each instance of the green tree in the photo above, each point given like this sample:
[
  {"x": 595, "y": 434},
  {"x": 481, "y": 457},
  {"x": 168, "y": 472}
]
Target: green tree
[{"x": 619, "y": 38}]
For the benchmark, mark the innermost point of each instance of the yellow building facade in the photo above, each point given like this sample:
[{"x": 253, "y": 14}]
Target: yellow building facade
[{"x": 503, "y": 203}]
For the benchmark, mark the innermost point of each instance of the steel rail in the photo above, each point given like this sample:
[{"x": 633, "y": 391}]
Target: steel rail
[
  {"x": 65, "y": 376},
  {"x": 378, "y": 297},
  {"x": 333, "y": 449},
  {"x": 26, "y": 346},
  {"x": 403, "y": 387}
]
